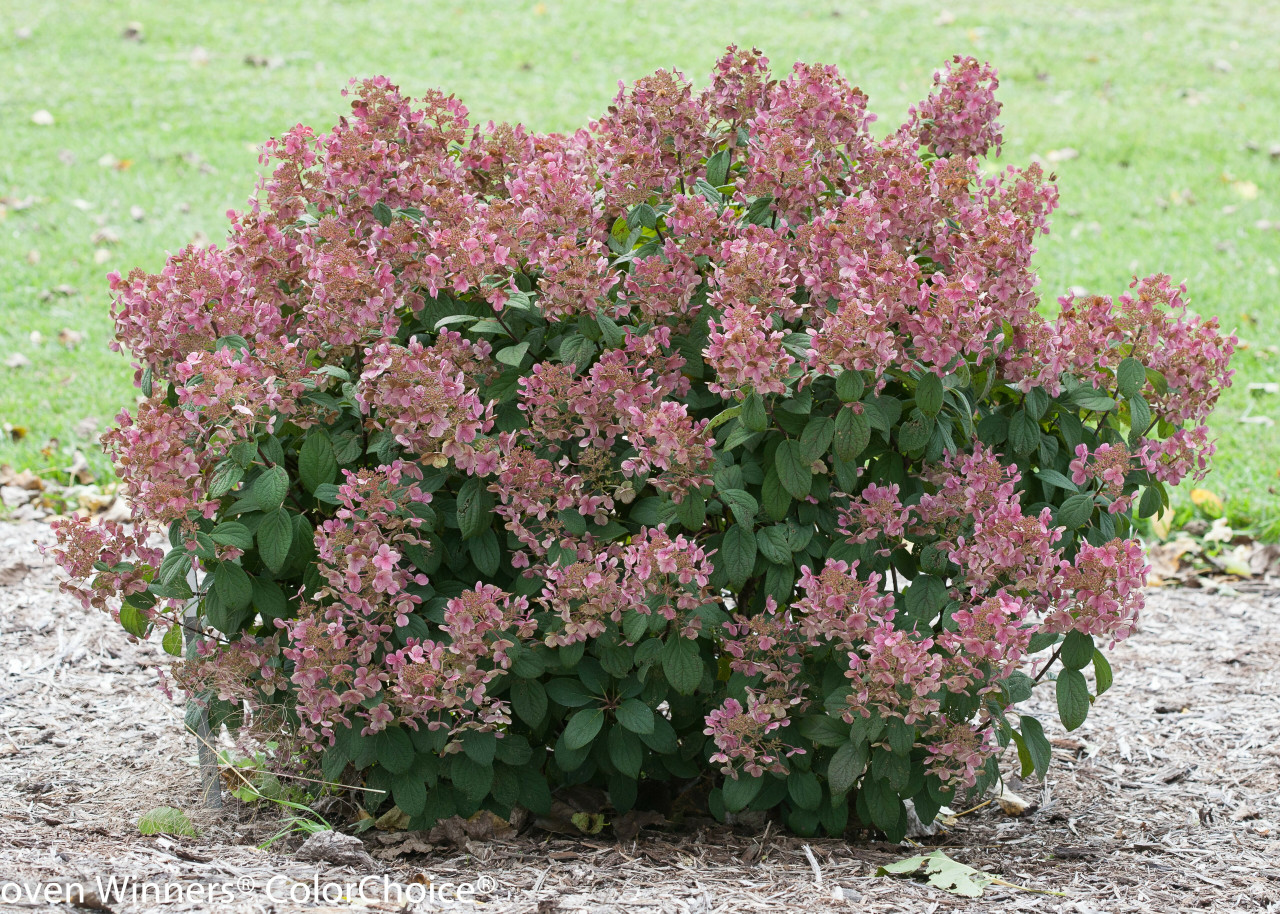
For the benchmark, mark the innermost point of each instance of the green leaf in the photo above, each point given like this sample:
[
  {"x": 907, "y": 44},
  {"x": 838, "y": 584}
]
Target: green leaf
[
  {"x": 568, "y": 692},
  {"x": 942, "y": 872},
  {"x": 316, "y": 463},
  {"x": 882, "y": 802},
  {"x": 804, "y": 789},
  {"x": 226, "y": 477},
  {"x": 1075, "y": 512},
  {"x": 486, "y": 553},
  {"x": 740, "y": 791},
  {"x": 1024, "y": 433},
  {"x": 410, "y": 794},
  {"x": 1139, "y": 419},
  {"x": 529, "y": 700},
  {"x": 1101, "y": 671},
  {"x": 1151, "y": 502},
  {"x": 1037, "y": 744},
  {"x": 472, "y": 778},
  {"x": 915, "y": 432},
  {"x": 738, "y": 555},
  {"x": 743, "y": 505},
  {"x": 682, "y": 664},
  {"x": 753, "y": 413},
  {"x": 717, "y": 169},
  {"x": 1077, "y": 650},
  {"x": 1054, "y": 478},
  {"x": 233, "y": 585},
  {"x": 772, "y": 542},
  {"x": 852, "y": 433},
  {"x": 382, "y": 213},
  {"x": 774, "y": 499},
  {"x": 133, "y": 621},
  {"x": 816, "y": 438},
  {"x": 172, "y": 641},
  {"x": 1073, "y": 698},
  {"x": 824, "y": 730},
  {"x": 479, "y": 745},
  {"x": 583, "y": 727},
  {"x": 850, "y": 386},
  {"x": 472, "y": 517},
  {"x": 929, "y": 394},
  {"x": 512, "y": 355},
  {"x": 270, "y": 488},
  {"x": 275, "y": 536},
  {"x": 625, "y": 751},
  {"x": 1131, "y": 376},
  {"x": 232, "y": 533},
  {"x": 636, "y": 716},
  {"x": 1089, "y": 399},
  {"x": 393, "y": 749},
  {"x": 793, "y": 472},
  {"x": 846, "y": 766},
  {"x": 269, "y": 600}
]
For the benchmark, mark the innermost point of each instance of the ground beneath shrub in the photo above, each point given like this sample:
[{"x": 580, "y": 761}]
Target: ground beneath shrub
[{"x": 1167, "y": 799}]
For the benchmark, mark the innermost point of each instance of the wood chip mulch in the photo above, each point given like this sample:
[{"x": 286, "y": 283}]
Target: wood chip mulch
[{"x": 1167, "y": 799}]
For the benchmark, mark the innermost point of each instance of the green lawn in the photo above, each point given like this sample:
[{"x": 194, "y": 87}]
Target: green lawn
[{"x": 1172, "y": 107}]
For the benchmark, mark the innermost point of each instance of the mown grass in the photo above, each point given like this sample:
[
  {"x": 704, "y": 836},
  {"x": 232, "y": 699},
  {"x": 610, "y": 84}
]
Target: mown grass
[{"x": 1171, "y": 105}]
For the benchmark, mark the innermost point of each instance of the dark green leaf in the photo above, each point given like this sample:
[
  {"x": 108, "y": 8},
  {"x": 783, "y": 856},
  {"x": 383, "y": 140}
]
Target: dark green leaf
[
  {"x": 1037, "y": 744},
  {"x": 846, "y": 766},
  {"x": 636, "y": 716},
  {"x": 275, "y": 536},
  {"x": 815, "y": 439},
  {"x": 316, "y": 462},
  {"x": 929, "y": 394},
  {"x": 1077, "y": 650},
  {"x": 681, "y": 664},
  {"x": 852, "y": 433},
  {"x": 583, "y": 727},
  {"x": 793, "y": 472},
  {"x": 233, "y": 585},
  {"x": 1073, "y": 698},
  {"x": 270, "y": 488},
  {"x": 393, "y": 749},
  {"x": 737, "y": 554}
]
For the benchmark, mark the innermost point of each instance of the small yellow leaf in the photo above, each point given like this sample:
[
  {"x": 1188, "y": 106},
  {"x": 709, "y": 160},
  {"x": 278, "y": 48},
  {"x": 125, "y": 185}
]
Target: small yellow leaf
[{"x": 1207, "y": 501}]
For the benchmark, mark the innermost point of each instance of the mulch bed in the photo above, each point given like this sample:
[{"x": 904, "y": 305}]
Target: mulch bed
[{"x": 1167, "y": 799}]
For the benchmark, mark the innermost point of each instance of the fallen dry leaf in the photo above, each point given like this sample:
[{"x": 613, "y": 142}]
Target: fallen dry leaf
[{"x": 17, "y": 360}]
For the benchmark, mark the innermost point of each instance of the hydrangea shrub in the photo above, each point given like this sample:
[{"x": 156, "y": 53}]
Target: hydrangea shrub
[{"x": 718, "y": 445}]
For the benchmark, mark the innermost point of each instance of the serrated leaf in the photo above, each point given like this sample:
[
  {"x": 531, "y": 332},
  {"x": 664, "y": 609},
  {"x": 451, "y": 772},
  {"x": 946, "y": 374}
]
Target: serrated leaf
[
  {"x": 226, "y": 477},
  {"x": 929, "y": 394},
  {"x": 1073, "y": 698},
  {"x": 1075, "y": 512},
  {"x": 270, "y": 488},
  {"x": 743, "y": 505},
  {"x": 1131, "y": 376},
  {"x": 470, "y": 509},
  {"x": 317, "y": 464},
  {"x": 816, "y": 438},
  {"x": 233, "y": 585},
  {"x": 793, "y": 472},
  {"x": 850, "y": 386},
  {"x": 846, "y": 766},
  {"x": 133, "y": 621},
  {"x": 636, "y": 716},
  {"x": 232, "y": 533},
  {"x": 682, "y": 664},
  {"x": 394, "y": 749},
  {"x": 275, "y": 536},
  {"x": 737, "y": 555},
  {"x": 583, "y": 727},
  {"x": 852, "y": 434}
]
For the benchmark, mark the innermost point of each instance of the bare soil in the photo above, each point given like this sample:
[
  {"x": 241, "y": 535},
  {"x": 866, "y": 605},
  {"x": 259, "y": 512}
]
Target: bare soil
[{"x": 1167, "y": 799}]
